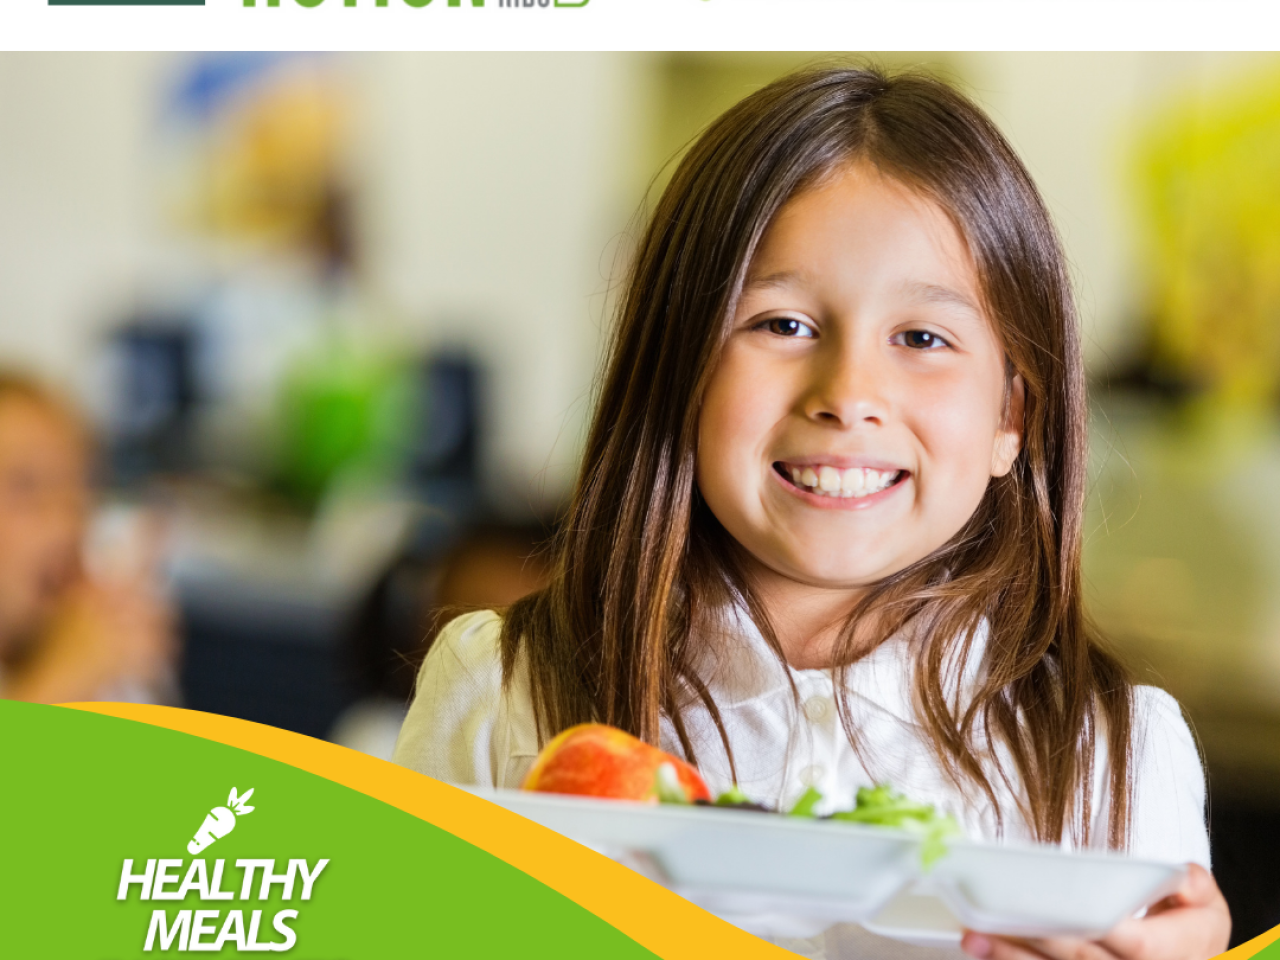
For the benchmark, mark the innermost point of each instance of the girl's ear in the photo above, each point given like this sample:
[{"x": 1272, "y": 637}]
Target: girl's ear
[{"x": 1009, "y": 436}]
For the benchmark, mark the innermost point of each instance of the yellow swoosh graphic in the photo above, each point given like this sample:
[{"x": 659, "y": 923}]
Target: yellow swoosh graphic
[{"x": 651, "y": 915}]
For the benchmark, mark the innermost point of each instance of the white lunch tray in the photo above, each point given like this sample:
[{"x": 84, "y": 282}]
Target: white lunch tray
[{"x": 783, "y": 876}]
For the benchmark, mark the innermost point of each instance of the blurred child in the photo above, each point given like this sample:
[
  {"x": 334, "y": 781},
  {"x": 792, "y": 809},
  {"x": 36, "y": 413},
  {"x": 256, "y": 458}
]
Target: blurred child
[
  {"x": 66, "y": 636},
  {"x": 491, "y": 565}
]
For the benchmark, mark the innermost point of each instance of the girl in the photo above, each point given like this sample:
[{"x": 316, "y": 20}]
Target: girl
[{"x": 828, "y": 526}]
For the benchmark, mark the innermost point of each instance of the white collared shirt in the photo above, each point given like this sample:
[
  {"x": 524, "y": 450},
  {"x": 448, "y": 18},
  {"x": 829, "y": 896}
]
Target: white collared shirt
[{"x": 464, "y": 728}]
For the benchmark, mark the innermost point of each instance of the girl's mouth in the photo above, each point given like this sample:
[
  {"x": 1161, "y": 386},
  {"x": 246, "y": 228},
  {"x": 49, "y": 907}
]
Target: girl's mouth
[{"x": 826, "y": 481}]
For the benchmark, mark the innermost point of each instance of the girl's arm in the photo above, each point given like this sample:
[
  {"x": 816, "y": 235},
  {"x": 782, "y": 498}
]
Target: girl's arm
[
  {"x": 462, "y": 726},
  {"x": 1168, "y": 805}
]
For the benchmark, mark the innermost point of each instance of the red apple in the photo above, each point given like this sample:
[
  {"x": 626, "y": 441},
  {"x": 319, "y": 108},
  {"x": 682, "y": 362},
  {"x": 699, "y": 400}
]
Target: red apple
[{"x": 595, "y": 760}]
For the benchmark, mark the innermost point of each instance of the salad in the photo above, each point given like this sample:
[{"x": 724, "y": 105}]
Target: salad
[
  {"x": 596, "y": 760},
  {"x": 879, "y": 806}
]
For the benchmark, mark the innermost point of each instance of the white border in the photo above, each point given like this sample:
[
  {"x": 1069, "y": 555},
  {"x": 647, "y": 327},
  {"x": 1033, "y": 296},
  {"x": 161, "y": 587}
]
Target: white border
[{"x": 653, "y": 25}]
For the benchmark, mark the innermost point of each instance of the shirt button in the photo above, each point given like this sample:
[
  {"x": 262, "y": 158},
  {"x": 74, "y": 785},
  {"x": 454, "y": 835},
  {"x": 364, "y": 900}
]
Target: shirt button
[
  {"x": 815, "y": 708},
  {"x": 812, "y": 776}
]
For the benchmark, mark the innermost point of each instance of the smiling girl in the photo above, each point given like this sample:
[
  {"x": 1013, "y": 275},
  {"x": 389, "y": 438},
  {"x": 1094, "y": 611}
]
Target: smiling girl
[{"x": 828, "y": 526}]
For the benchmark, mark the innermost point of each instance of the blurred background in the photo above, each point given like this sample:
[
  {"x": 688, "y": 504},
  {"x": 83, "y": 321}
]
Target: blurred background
[{"x": 296, "y": 352}]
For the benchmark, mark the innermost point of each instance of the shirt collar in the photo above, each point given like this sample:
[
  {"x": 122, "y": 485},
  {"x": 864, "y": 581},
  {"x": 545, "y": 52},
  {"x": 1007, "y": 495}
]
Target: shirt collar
[{"x": 738, "y": 666}]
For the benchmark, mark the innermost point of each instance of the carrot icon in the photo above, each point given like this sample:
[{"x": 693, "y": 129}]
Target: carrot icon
[{"x": 220, "y": 821}]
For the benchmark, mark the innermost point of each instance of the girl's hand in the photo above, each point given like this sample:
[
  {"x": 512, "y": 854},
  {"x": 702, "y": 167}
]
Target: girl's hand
[{"x": 1190, "y": 924}]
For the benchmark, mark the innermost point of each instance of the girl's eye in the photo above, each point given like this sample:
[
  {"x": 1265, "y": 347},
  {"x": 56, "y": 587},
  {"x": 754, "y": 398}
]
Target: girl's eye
[
  {"x": 789, "y": 327},
  {"x": 921, "y": 340}
]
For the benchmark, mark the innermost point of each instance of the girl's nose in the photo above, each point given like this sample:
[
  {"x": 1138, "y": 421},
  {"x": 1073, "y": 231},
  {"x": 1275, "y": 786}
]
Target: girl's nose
[{"x": 848, "y": 388}]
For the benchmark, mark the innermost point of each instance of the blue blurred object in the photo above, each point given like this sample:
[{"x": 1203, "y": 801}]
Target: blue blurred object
[
  {"x": 216, "y": 77},
  {"x": 153, "y": 394},
  {"x": 443, "y": 457},
  {"x": 263, "y": 654}
]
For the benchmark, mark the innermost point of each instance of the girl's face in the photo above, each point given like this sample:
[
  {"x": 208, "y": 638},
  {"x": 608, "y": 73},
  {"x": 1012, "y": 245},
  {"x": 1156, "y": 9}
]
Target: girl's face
[{"x": 859, "y": 408}]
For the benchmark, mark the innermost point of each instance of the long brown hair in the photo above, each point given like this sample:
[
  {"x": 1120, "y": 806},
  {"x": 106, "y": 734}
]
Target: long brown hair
[{"x": 640, "y": 559}]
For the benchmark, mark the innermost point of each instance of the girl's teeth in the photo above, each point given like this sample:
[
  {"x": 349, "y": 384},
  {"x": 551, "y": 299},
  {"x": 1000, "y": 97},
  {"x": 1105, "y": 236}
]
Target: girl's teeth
[{"x": 830, "y": 482}]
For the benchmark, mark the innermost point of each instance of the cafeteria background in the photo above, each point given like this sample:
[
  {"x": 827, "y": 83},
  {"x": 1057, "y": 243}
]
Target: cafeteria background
[{"x": 333, "y": 322}]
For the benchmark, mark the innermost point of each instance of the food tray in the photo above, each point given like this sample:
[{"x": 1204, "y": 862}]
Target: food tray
[{"x": 784, "y": 876}]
